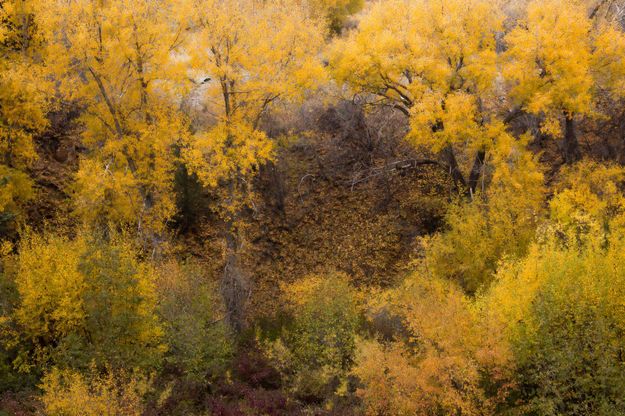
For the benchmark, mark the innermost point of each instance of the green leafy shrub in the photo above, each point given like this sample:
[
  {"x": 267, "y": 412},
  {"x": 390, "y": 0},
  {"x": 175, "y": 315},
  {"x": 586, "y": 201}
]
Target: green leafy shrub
[
  {"x": 199, "y": 340},
  {"x": 82, "y": 301},
  {"x": 315, "y": 352}
]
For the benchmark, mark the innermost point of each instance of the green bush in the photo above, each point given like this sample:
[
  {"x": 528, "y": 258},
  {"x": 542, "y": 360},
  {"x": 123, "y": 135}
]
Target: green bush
[
  {"x": 85, "y": 301},
  {"x": 564, "y": 307},
  {"x": 315, "y": 352},
  {"x": 199, "y": 340}
]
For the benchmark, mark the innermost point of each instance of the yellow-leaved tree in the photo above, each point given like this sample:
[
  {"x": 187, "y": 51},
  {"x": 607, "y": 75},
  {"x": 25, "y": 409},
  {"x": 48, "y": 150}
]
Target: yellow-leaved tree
[
  {"x": 116, "y": 57},
  {"x": 589, "y": 202},
  {"x": 250, "y": 55},
  {"x": 500, "y": 222},
  {"x": 446, "y": 359},
  {"x": 435, "y": 61},
  {"x": 83, "y": 302},
  {"x": 559, "y": 61},
  {"x": 560, "y": 306},
  {"x": 23, "y": 100}
]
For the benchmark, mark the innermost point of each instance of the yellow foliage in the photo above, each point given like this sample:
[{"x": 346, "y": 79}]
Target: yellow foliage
[
  {"x": 589, "y": 202},
  {"x": 391, "y": 380},
  {"x": 50, "y": 286},
  {"x": 226, "y": 150},
  {"x": 16, "y": 188},
  {"x": 19, "y": 31},
  {"x": 23, "y": 100},
  {"x": 117, "y": 57},
  {"x": 433, "y": 59},
  {"x": 67, "y": 393},
  {"x": 516, "y": 291},
  {"x": 254, "y": 55},
  {"x": 608, "y": 63},
  {"x": 560, "y": 309},
  {"x": 548, "y": 327},
  {"x": 22, "y": 112},
  {"x": 557, "y": 60},
  {"x": 82, "y": 300},
  {"x": 500, "y": 221},
  {"x": 442, "y": 366},
  {"x": 226, "y": 155}
]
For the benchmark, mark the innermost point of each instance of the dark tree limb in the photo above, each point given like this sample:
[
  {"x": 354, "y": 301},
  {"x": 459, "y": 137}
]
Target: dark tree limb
[{"x": 476, "y": 171}]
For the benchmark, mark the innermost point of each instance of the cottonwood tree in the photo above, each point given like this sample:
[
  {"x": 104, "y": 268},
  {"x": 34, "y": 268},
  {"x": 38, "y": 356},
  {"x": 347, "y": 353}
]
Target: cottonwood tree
[
  {"x": 23, "y": 102},
  {"x": 559, "y": 62},
  {"x": 116, "y": 57},
  {"x": 435, "y": 61},
  {"x": 252, "y": 54},
  {"x": 501, "y": 223}
]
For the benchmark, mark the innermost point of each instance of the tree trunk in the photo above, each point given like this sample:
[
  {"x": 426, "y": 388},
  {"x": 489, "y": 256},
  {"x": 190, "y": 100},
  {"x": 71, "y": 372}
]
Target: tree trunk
[
  {"x": 277, "y": 186},
  {"x": 234, "y": 283},
  {"x": 450, "y": 158},
  {"x": 570, "y": 145},
  {"x": 476, "y": 171}
]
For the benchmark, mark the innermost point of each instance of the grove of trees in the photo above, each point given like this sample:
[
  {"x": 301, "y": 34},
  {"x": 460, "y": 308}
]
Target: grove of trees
[{"x": 312, "y": 207}]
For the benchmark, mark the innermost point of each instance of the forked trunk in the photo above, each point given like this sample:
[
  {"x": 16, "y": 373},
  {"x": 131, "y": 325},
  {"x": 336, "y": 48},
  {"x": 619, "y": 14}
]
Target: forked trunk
[
  {"x": 476, "y": 171},
  {"x": 454, "y": 171}
]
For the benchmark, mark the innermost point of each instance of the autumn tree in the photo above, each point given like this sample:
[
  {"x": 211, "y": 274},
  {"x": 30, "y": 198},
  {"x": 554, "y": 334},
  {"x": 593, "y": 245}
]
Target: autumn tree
[
  {"x": 589, "y": 202},
  {"x": 84, "y": 301},
  {"x": 557, "y": 306},
  {"x": 559, "y": 61},
  {"x": 23, "y": 100},
  {"x": 444, "y": 360},
  {"x": 560, "y": 306},
  {"x": 116, "y": 393},
  {"x": 250, "y": 55},
  {"x": 117, "y": 58},
  {"x": 435, "y": 61},
  {"x": 500, "y": 222}
]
